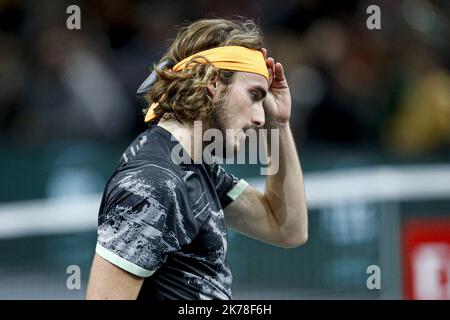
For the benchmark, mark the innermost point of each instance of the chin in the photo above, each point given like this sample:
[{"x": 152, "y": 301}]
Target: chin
[
  {"x": 233, "y": 144},
  {"x": 232, "y": 147}
]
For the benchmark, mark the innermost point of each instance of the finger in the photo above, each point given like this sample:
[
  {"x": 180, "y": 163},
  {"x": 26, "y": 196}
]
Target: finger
[
  {"x": 264, "y": 51},
  {"x": 270, "y": 76},
  {"x": 269, "y": 68},
  {"x": 271, "y": 64},
  {"x": 279, "y": 72}
]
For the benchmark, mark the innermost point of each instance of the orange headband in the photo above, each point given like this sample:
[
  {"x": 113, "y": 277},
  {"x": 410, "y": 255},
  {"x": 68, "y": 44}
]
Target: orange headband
[{"x": 234, "y": 58}]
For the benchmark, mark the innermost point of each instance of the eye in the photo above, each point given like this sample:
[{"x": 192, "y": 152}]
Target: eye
[{"x": 254, "y": 95}]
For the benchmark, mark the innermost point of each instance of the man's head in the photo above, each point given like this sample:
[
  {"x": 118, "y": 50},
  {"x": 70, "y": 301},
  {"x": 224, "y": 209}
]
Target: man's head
[
  {"x": 238, "y": 107},
  {"x": 222, "y": 99}
]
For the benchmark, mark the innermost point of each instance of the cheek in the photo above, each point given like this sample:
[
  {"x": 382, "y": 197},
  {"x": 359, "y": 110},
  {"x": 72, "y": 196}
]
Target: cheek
[
  {"x": 241, "y": 105},
  {"x": 239, "y": 109},
  {"x": 239, "y": 97}
]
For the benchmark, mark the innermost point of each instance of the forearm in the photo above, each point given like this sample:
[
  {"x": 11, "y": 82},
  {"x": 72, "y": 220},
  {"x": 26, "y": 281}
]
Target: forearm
[{"x": 285, "y": 190}]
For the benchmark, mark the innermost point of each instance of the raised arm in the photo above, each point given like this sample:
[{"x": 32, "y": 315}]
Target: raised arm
[{"x": 279, "y": 215}]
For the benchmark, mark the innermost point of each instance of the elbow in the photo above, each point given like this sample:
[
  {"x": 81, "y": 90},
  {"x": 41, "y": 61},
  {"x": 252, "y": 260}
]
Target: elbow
[{"x": 294, "y": 241}]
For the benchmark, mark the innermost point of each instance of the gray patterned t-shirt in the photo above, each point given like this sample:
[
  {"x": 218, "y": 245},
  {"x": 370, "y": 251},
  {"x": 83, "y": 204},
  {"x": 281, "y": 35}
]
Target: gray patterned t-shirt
[{"x": 164, "y": 221}]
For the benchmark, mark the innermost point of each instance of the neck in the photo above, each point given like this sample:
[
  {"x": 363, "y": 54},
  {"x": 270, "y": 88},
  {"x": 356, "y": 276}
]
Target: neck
[{"x": 188, "y": 135}]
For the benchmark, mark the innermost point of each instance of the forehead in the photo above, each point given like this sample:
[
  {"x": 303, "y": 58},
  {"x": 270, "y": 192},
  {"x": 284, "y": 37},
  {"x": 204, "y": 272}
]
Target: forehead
[{"x": 250, "y": 79}]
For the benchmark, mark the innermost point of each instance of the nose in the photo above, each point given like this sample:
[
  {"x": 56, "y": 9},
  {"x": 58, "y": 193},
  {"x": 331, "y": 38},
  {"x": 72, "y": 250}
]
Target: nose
[{"x": 258, "y": 116}]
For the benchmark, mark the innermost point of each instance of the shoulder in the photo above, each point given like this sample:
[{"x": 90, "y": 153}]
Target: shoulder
[
  {"x": 150, "y": 146},
  {"x": 149, "y": 180},
  {"x": 147, "y": 163}
]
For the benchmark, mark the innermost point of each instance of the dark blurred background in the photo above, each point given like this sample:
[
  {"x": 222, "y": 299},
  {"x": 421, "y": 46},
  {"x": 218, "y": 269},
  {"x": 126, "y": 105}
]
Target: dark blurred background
[{"x": 371, "y": 118}]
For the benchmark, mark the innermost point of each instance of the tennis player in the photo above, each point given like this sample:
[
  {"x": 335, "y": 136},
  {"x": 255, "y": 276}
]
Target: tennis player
[{"x": 162, "y": 225}]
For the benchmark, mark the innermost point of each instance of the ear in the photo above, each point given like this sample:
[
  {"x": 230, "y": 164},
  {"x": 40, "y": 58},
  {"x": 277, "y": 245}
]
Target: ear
[{"x": 213, "y": 85}]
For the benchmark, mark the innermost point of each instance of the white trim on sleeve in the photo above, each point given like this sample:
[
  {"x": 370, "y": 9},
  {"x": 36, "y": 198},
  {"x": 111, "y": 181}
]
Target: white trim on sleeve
[
  {"x": 121, "y": 262},
  {"x": 237, "y": 190}
]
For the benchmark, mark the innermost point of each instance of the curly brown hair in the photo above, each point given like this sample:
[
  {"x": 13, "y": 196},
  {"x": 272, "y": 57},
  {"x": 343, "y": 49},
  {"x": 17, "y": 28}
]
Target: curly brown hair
[{"x": 183, "y": 94}]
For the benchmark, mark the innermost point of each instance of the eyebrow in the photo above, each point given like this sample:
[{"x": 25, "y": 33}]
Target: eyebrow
[{"x": 261, "y": 91}]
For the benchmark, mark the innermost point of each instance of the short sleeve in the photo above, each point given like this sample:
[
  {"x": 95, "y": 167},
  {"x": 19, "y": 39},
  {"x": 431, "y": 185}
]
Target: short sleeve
[
  {"x": 144, "y": 216},
  {"x": 228, "y": 186}
]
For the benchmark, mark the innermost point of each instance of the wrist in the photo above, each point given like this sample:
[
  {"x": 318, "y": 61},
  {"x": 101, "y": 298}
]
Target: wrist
[{"x": 277, "y": 125}]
